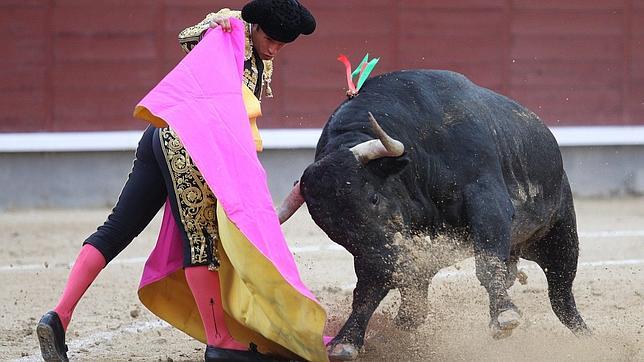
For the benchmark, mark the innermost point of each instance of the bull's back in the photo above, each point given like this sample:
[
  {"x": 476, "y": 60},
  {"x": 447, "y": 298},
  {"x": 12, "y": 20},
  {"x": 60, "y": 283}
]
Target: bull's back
[{"x": 426, "y": 108}]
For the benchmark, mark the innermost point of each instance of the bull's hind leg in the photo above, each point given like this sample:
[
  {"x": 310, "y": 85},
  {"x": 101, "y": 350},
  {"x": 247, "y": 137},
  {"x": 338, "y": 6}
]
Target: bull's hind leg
[
  {"x": 557, "y": 254},
  {"x": 413, "y": 304},
  {"x": 489, "y": 214},
  {"x": 513, "y": 272}
]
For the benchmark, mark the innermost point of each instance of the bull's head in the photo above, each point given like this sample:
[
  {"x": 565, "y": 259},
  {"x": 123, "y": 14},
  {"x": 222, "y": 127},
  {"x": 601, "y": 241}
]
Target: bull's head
[{"x": 349, "y": 192}]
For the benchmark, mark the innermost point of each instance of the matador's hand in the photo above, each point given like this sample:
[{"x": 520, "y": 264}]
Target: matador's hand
[{"x": 222, "y": 21}]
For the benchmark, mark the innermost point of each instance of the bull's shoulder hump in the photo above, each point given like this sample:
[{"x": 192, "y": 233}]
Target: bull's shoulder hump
[
  {"x": 405, "y": 82},
  {"x": 424, "y": 75}
]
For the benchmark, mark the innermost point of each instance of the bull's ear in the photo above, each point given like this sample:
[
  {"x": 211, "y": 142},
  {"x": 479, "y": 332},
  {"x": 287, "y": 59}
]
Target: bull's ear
[{"x": 388, "y": 166}]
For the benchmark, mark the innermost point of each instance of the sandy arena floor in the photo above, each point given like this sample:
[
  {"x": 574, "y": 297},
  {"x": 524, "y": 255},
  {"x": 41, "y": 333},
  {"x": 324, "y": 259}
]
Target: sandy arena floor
[{"x": 111, "y": 324}]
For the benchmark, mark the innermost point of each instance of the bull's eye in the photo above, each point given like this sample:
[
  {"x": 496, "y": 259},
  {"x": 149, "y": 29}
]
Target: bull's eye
[{"x": 375, "y": 199}]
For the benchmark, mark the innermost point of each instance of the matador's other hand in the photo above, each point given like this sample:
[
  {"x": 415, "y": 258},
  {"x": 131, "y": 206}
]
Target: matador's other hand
[{"x": 222, "y": 21}]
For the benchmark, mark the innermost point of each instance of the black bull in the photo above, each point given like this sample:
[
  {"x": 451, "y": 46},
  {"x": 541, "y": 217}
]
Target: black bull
[{"x": 458, "y": 170}]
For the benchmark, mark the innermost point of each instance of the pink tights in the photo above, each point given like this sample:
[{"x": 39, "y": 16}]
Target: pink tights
[
  {"x": 88, "y": 264},
  {"x": 205, "y": 288},
  {"x": 203, "y": 283}
]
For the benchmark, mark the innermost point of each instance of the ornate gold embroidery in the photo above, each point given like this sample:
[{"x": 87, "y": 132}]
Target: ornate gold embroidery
[
  {"x": 267, "y": 77},
  {"x": 251, "y": 75},
  {"x": 196, "y": 203},
  {"x": 190, "y": 36},
  {"x": 248, "y": 45}
]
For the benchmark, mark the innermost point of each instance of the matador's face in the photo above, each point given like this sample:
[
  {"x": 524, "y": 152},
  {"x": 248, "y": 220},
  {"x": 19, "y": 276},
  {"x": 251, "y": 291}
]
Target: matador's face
[{"x": 266, "y": 47}]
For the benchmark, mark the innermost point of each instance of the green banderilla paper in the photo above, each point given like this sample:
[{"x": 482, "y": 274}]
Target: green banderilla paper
[
  {"x": 367, "y": 70},
  {"x": 359, "y": 68}
]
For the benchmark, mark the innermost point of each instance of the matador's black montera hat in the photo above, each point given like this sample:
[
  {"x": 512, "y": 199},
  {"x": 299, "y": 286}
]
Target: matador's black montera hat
[{"x": 282, "y": 20}]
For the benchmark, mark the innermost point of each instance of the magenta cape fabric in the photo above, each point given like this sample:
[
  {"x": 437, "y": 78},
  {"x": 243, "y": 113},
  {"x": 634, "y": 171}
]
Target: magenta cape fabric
[{"x": 201, "y": 100}]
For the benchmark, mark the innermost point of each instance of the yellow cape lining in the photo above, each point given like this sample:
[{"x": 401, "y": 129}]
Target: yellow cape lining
[{"x": 261, "y": 307}]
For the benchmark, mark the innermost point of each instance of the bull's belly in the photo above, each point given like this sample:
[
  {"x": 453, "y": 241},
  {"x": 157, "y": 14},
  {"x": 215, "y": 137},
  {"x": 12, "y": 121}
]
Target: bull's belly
[{"x": 528, "y": 225}]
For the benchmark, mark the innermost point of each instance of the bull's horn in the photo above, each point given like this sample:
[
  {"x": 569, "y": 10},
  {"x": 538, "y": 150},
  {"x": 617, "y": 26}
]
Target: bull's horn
[
  {"x": 291, "y": 203},
  {"x": 393, "y": 146},
  {"x": 384, "y": 146}
]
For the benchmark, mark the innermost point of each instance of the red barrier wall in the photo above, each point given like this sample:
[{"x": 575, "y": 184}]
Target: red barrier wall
[{"x": 77, "y": 65}]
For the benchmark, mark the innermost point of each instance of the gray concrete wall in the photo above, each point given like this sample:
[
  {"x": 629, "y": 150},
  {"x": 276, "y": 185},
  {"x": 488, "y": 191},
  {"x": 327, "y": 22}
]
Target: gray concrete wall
[
  {"x": 605, "y": 171},
  {"x": 62, "y": 179},
  {"x": 94, "y": 179}
]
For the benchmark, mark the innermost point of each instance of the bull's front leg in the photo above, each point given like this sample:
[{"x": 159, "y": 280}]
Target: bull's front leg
[
  {"x": 372, "y": 286},
  {"x": 489, "y": 213}
]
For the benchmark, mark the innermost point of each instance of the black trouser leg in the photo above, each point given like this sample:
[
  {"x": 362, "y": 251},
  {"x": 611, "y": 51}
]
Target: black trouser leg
[{"x": 142, "y": 196}]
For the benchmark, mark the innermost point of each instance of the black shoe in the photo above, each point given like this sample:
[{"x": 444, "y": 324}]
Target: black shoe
[
  {"x": 215, "y": 354},
  {"x": 51, "y": 336}
]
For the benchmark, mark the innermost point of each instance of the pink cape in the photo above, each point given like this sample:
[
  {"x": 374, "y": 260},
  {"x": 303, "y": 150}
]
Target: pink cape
[{"x": 201, "y": 100}]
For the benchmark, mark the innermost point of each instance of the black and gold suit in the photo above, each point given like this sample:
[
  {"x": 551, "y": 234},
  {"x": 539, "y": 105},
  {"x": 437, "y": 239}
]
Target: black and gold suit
[{"x": 163, "y": 170}]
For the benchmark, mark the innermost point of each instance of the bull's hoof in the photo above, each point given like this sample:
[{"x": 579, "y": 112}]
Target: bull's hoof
[
  {"x": 504, "y": 324},
  {"x": 582, "y": 331},
  {"x": 343, "y": 352},
  {"x": 498, "y": 333}
]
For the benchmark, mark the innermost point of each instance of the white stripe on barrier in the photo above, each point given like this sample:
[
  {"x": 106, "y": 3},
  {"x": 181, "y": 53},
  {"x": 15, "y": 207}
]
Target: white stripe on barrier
[
  {"x": 279, "y": 138},
  {"x": 611, "y": 234},
  {"x": 128, "y": 140}
]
